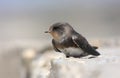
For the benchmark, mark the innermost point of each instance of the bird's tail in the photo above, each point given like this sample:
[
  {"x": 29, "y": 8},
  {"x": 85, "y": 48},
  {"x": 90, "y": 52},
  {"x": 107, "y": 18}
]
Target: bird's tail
[
  {"x": 95, "y": 53},
  {"x": 91, "y": 50}
]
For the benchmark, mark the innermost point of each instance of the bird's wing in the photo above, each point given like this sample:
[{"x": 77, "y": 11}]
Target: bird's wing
[
  {"x": 54, "y": 46},
  {"x": 82, "y": 43}
]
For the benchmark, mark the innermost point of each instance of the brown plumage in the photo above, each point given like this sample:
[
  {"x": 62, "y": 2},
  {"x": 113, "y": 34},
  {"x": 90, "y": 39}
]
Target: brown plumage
[{"x": 65, "y": 37}]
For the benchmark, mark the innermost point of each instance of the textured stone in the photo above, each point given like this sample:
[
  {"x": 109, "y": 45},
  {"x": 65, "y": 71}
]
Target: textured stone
[{"x": 56, "y": 65}]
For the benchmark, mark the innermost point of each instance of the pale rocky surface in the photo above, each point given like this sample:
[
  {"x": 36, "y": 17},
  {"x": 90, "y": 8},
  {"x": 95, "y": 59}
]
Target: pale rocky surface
[{"x": 56, "y": 65}]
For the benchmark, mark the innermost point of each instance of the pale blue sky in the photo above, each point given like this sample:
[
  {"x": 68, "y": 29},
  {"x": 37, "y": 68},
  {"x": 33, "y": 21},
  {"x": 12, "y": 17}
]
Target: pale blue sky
[{"x": 19, "y": 4}]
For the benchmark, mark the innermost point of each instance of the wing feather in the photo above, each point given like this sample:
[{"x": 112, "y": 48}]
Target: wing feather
[{"x": 82, "y": 43}]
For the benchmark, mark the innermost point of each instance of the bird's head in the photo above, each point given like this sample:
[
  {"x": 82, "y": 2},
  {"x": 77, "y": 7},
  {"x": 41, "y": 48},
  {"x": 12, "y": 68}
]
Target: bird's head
[{"x": 59, "y": 30}]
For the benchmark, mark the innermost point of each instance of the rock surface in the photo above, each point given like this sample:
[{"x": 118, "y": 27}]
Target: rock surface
[{"x": 56, "y": 65}]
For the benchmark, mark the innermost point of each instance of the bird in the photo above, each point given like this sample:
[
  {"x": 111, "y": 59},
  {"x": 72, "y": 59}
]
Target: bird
[{"x": 71, "y": 43}]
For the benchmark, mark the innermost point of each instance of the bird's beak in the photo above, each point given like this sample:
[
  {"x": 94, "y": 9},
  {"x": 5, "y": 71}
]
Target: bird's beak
[{"x": 47, "y": 31}]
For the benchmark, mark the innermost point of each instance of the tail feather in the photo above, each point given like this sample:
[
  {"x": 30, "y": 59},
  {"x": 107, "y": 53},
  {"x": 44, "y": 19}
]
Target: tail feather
[
  {"x": 92, "y": 50},
  {"x": 95, "y": 53}
]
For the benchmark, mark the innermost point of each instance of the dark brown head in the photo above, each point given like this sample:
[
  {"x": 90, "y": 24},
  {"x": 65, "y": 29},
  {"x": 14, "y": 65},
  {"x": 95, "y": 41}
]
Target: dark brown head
[{"x": 59, "y": 30}]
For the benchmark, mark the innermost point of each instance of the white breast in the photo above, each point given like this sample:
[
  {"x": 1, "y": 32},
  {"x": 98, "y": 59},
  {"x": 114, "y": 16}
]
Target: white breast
[{"x": 72, "y": 51}]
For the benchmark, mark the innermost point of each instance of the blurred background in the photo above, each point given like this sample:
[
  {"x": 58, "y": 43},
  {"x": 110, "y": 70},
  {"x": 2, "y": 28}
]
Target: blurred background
[{"x": 23, "y": 22}]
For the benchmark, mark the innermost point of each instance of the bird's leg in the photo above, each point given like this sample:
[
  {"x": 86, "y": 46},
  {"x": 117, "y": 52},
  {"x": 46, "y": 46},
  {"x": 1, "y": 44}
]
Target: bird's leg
[{"x": 67, "y": 56}]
